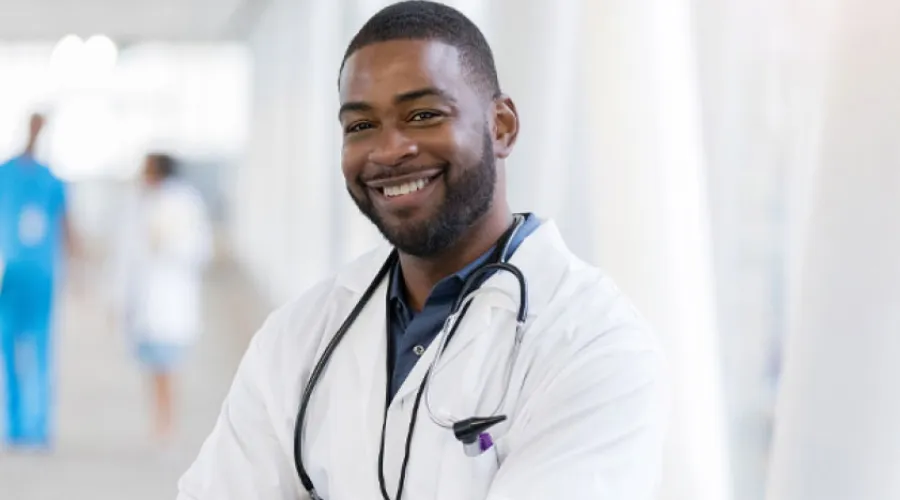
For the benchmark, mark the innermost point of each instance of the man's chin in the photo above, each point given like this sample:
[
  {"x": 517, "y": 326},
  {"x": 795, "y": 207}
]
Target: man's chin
[
  {"x": 416, "y": 239},
  {"x": 406, "y": 221}
]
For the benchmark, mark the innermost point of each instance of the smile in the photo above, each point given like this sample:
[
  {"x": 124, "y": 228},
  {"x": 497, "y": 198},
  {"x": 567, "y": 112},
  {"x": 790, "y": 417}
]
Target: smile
[
  {"x": 405, "y": 188},
  {"x": 405, "y": 185}
]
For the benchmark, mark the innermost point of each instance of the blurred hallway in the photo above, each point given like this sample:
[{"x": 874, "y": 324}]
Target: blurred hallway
[{"x": 104, "y": 448}]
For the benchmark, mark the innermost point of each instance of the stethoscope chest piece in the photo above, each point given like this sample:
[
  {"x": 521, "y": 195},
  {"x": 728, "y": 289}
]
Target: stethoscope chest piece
[{"x": 472, "y": 433}]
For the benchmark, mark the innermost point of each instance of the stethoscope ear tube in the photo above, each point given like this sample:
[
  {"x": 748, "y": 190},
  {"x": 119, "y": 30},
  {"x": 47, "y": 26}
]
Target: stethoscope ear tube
[
  {"x": 473, "y": 282},
  {"x": 497, "y": 263},
  {"x": 320, "y": 367}
]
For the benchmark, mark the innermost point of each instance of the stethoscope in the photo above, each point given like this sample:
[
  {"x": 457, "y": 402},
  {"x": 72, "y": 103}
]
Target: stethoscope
[{"x": 472, "y": 432}]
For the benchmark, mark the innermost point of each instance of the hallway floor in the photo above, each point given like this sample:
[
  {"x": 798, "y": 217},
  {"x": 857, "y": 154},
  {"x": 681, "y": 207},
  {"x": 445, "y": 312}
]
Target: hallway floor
[{"x": 104, "y": 449}]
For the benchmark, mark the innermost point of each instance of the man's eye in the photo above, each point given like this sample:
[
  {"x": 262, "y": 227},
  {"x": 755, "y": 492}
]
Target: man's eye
[
  {"x": 358, "y": 127},
  {"x": 424, "y": 115}
]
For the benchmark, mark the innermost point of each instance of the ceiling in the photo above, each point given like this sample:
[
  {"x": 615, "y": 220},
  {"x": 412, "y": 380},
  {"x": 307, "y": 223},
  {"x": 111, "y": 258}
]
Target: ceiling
[{"x": 127, "y": 21}]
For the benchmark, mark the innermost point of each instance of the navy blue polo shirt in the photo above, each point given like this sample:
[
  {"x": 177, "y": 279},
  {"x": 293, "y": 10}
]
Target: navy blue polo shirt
[{"x": 410, "y": 332}]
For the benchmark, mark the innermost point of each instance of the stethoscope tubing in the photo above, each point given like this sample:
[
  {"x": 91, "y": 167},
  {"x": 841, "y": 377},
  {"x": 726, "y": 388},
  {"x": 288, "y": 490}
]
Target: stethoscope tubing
[
  {"x": 458, "y": 310},
  {"x": 320, "y": 368}
]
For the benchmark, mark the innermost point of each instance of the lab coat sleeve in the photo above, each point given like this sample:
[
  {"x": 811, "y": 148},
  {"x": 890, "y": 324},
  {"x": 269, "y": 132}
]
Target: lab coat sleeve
[
  {"x": 244, "y": 457},
  {"x": 594, "y": 426}
]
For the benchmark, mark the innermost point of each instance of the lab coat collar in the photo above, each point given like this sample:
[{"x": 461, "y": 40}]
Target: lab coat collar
[{"x": 542, "y": 257}]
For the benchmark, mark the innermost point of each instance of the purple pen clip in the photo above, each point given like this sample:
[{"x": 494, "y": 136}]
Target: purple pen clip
[{"x": 485, "y": 442}]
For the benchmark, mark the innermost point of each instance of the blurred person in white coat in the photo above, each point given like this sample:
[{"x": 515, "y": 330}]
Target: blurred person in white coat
[{"x": 165, "y": 246}]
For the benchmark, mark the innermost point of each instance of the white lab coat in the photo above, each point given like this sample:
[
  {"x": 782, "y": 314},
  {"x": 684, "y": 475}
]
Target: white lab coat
[
  {"x": 587, "y": 405},
  {"x": 165, "y": 243}
]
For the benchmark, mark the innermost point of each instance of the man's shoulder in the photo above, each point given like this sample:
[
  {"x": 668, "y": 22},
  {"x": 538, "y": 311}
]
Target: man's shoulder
[
  {"x": 9, "y": 166},
  {"x": 27, "y": 161},
  {"x": 181, "y": 197},
  {"x": 353, "y": 276},
  {"x": 576, "y": 300},
  {"x": 328, "y": 296},
  {"x": 180, "y": 189},
  {"x": 599, "y": 313},
  {"x": 14, "y": 169},
  {"x": 47, "y": 175},
  {"x": 592, "y": 331}
]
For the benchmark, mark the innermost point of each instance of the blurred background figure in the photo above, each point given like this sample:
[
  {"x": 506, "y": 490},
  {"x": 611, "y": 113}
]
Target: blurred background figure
[
  {"x": 165, "y": 244},
  {"x": 34, "y": 233}
]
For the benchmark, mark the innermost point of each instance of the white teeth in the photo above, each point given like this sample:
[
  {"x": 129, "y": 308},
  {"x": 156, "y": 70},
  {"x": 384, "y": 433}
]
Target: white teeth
[{"x": 405, "y": 188}]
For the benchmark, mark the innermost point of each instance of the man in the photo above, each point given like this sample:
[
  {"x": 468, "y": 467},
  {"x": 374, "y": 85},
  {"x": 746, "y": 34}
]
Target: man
[
  {"x": 426, "y": 132},
  {"x": 34, "y": 227},
  {"x": 165, "y": 245}
]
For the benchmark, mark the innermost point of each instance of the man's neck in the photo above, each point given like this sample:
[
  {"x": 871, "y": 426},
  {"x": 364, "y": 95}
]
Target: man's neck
[{"x": 420, "y": 275}]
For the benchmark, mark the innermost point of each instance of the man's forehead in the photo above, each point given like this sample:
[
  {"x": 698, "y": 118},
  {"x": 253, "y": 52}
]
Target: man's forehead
[{"x": 412, "y": 63}]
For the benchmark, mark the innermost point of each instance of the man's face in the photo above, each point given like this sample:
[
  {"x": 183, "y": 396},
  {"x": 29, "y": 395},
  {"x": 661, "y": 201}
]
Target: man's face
[{"x": 418, "y": 155}]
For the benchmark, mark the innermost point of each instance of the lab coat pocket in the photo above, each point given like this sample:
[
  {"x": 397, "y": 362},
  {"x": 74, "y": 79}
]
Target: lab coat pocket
[
  {"x": 478, "y": 392},
  {"x": 465, "y": 477}
]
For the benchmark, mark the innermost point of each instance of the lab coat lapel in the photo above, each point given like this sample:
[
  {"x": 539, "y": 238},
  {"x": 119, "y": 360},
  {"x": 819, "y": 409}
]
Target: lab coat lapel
[
  {"x": 542, "y": 257},
  {"x": 369, "y": 340},
  {"x": 353, "y": 385}
]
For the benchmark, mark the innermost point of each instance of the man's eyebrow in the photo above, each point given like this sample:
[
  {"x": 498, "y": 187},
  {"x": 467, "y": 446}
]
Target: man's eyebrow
[
  {"x": 405, "y": 97},
  {"x": 358, "y": 106},
  {"x": 414, "y": 95}
]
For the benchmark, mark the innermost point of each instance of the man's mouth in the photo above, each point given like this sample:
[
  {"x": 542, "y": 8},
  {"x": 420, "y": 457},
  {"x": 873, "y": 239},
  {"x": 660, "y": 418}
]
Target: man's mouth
[
  {"x": 405, "y": 184},
  {"x": 405, "y": 188}
]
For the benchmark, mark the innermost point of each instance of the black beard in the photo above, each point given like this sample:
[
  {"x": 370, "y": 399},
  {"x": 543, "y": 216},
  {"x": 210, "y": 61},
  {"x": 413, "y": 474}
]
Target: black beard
[{"x": 468, "y": 198}]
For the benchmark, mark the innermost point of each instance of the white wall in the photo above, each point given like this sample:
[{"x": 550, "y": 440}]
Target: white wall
[
  {"x": 610, "y": 147},
  {"x": 760, "y": 79},
  {"x": 836, "y": 436},
  {"x": 650, "y": 215}
]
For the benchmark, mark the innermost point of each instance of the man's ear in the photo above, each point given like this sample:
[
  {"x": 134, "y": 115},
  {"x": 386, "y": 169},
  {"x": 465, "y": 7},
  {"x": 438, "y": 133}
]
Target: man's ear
[{"x": 506, "y": 126}]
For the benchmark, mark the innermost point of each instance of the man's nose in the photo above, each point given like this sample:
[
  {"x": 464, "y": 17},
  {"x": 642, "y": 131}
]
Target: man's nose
[{"x": 393, "y": 148}]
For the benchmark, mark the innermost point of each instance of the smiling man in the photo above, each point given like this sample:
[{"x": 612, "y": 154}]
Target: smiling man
[{"x": 547, "y": 385}]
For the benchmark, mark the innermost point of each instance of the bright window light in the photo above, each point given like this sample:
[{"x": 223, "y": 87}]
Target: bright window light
[
  {"x": 65, "y": 60},
  {"x": 100, "y": 54},
  {"x": 75, "y": 62}
]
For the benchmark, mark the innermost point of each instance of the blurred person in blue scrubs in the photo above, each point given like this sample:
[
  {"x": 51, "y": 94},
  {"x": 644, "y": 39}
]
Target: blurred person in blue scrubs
[
  {"x": 34, "y": 234},
  {"x": 165, "y": 245}
]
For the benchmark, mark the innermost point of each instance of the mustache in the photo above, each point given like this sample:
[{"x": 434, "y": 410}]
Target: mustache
[{"x": 383, "y": 173}]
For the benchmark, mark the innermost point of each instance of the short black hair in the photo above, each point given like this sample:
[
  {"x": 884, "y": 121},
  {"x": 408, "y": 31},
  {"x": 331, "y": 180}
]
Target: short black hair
[
  {"x": 425, "y": 20},
  {"x": 164, "y": 165}
]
